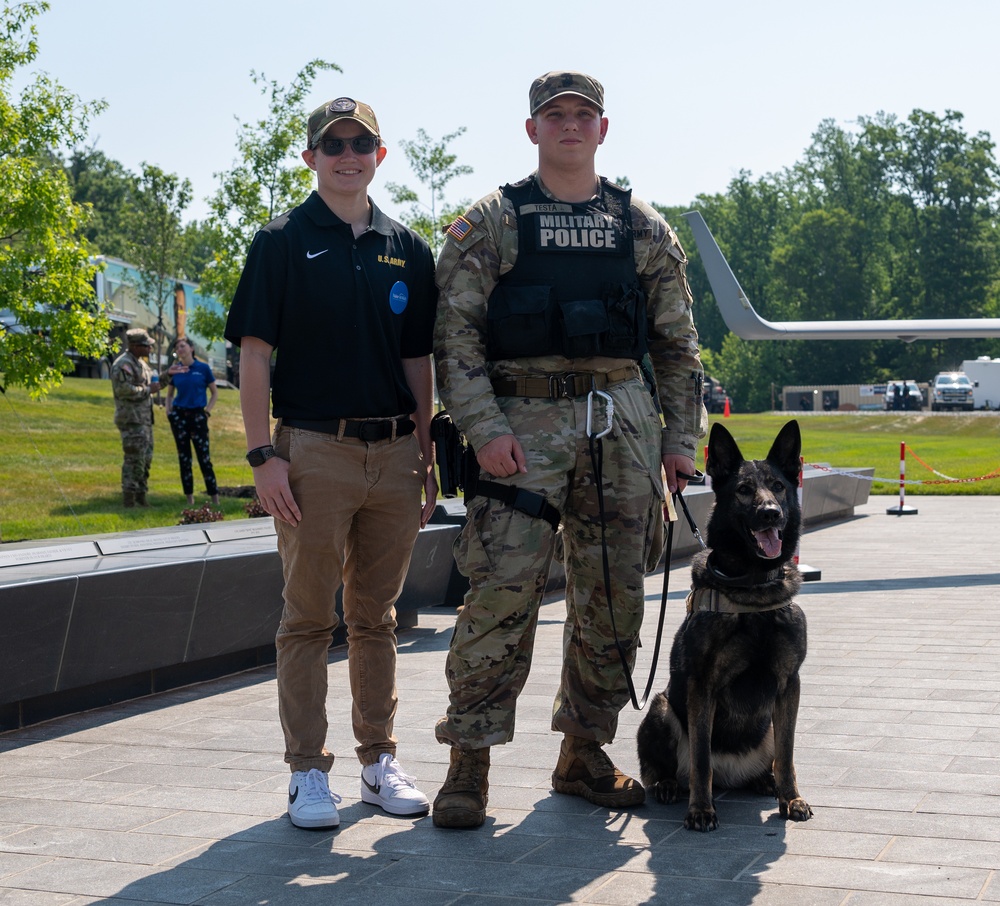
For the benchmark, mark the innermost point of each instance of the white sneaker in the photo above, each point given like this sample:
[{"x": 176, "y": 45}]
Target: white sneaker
[
  {"x": 384, "y": 784},
  {"x": 310, "y": 802}
]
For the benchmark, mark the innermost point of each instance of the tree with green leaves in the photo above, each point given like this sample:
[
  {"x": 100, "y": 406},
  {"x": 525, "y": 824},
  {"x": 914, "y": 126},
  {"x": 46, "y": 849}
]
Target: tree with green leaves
[
  {"x": 47, "y": 305},
  {"x": 197, "y": 249},
  {"x": 949, "y": 188},
  {"x": 156, "y": 241},
  {"x": 435, "y": 167},
  {"x": 819, "y": 272},
  {"x": 267, "y": 179},
  {"x": 897, "y": 219},
  {"x": 108, "y": 189}
]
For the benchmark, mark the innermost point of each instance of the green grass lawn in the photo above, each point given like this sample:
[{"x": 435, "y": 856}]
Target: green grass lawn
[
  {"x": 61, "y": 462},
  {"x": 957, "y": 445},
  {"x": 60, "y": 458}
]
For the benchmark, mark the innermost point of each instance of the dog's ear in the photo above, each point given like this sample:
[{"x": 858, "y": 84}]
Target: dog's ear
[
  {"x": 786, "y": 451},
  {"x": 724, "y": 455}
]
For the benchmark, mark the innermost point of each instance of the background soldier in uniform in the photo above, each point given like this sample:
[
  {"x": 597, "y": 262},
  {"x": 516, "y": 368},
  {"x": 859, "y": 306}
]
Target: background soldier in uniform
[
  {"x": 134, "y": 382},
  {"x": 550, "y": 288}
]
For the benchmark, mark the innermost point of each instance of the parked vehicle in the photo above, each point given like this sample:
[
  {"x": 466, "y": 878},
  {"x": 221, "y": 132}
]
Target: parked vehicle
[
  {"x": 952, "y": 390},
  {"x": 903, "y": 396},
  {"x": 984, "y": 373},
  {"x": 715, "y": 396}
]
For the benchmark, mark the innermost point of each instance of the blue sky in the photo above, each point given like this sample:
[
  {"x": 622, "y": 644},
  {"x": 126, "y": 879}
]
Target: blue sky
[{"x": 695, "y": 92}]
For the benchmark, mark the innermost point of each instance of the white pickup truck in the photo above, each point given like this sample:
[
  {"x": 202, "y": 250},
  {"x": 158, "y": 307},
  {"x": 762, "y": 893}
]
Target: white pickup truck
[{"x": 952, "y": 390}]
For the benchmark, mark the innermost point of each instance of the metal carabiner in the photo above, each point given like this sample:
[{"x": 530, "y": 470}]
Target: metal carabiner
[{"x": 609, "y": 411}]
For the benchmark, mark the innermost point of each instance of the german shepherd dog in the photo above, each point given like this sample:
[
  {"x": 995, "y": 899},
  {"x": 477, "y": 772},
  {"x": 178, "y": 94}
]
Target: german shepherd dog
[{"x": 728, "y": 714}]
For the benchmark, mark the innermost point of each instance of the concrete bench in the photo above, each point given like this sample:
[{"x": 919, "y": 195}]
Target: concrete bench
[{"x": 94, "y": 619}]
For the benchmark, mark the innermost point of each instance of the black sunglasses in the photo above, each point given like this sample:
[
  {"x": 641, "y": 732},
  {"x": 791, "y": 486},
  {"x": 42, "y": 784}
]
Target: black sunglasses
[{"x": 360, "y": 144}]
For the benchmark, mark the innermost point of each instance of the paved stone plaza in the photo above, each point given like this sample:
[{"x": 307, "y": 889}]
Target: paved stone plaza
[{"x": 180, "y": 797}]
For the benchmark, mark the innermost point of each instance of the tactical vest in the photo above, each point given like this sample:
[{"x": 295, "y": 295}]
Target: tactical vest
[{"x": 573, "y": 290}]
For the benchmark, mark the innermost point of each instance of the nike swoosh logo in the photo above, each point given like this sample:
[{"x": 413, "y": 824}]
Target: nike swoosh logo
[
  {"x": 375, "y": 789},
  {"x": 293, "y": 796},
  {"x": 311, "y": 255}
]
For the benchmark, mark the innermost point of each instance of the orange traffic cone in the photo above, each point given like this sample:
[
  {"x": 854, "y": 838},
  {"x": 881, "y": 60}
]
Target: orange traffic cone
[{"x": 725, "y": 412}]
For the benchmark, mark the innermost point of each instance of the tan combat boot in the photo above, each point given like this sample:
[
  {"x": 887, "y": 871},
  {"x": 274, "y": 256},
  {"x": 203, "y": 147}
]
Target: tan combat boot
[
  {"x": 585, "y": 770},
  {"x": 128, "y": 499},
  {"x": 461, "y": 802}
]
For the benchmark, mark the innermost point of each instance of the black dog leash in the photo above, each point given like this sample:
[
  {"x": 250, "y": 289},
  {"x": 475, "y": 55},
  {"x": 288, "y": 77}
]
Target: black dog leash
[
  {"x": 597, "y": 462},
  {"x": 697, "y": 478}
]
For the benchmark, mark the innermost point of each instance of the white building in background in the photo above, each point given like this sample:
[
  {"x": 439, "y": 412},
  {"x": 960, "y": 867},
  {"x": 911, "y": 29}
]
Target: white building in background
[{"x": 984, "y": 373}]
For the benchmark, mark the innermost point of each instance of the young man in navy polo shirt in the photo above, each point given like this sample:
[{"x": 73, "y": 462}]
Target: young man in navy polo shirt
[{"x": 346, "y": 298}]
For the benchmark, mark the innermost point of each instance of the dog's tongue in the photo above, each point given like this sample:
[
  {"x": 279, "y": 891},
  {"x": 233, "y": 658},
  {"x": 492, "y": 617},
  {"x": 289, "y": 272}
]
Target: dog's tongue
[{"x": 768, "y": 543}]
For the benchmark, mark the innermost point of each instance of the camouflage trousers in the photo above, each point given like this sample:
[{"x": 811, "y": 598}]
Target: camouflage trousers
[
  {"x": 506, "y": 556},
  {"x": 190, "y": 428},
  {"x": 137, "y": 445}
]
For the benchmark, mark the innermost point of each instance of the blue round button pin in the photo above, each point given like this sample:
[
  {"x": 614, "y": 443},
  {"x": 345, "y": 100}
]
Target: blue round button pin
[{"x": 399, "y": 295}]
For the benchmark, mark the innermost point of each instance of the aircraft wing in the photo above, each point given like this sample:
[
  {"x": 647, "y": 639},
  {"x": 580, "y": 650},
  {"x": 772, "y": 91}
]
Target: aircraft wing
[{"x": 742, "y": 320}]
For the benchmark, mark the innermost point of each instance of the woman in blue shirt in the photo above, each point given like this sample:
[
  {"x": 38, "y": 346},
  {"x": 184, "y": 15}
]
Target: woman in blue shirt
[{"x": 191, "y": 396}]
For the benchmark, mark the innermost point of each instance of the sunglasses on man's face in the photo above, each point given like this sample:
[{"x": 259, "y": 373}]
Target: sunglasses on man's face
[{"x": 360, "y": 144}]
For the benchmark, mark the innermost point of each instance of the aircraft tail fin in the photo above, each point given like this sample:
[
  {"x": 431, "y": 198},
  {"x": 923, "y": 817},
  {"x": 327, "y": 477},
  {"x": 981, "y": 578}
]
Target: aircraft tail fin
[
  {"x": 742, "y": 320},
  {"x": 734, "y": 306}
]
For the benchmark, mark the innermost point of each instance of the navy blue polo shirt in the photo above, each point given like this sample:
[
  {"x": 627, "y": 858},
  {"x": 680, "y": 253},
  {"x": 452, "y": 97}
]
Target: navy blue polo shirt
[
  {"x": 342, "y": 312},
  {"x": 191, "y": 386}
]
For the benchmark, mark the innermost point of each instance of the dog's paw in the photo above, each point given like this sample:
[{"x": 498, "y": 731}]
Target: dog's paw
[
  {"x": 664, "y": 791},
  {"x": 701, "y": 819},
  {"x": 796, "y": 809}
]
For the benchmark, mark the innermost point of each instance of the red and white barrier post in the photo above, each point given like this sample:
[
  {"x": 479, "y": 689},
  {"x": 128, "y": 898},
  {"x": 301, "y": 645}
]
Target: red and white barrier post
[{"x": 902, "y": 509}]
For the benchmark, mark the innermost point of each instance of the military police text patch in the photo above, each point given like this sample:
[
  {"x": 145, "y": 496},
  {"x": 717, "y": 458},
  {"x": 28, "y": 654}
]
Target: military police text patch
[{"x": 591, "y": 231}]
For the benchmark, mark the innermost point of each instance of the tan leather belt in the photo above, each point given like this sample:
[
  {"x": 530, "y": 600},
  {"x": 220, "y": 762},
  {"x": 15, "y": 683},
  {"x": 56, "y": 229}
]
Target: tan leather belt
[{"x": 563, "y": 385}]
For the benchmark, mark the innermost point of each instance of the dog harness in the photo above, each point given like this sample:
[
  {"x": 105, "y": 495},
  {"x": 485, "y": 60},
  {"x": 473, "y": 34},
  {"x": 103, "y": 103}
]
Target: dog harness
[{"x": 711, "y": 600}]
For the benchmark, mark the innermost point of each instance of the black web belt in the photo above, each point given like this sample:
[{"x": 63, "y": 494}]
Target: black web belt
[{"x": 369, "y": 430}]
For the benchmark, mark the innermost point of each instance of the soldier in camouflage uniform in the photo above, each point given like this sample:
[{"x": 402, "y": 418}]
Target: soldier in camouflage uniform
[
  {"x": 134, "y": 382},
  {"x": 550, "y": 288}
]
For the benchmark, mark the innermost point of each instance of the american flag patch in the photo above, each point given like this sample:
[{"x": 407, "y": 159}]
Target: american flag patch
[{"x": 459, "y": 228}]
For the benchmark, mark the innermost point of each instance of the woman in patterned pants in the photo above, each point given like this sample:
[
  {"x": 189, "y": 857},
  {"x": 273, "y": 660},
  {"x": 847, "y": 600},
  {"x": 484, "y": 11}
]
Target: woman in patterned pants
[{"x": 190, "y": 398}]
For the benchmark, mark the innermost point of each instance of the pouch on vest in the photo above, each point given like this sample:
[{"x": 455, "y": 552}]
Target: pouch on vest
[
  {"x": 584, "y": 324},
  {"x": 626, "y": 322},
  {"x": 519, "y": 322}
]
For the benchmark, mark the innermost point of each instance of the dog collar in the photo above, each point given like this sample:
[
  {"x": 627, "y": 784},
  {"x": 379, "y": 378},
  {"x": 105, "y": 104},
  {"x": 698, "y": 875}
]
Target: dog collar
[
  {"x": 711, "y": 600},
  {"x": 747, "y": 580}
]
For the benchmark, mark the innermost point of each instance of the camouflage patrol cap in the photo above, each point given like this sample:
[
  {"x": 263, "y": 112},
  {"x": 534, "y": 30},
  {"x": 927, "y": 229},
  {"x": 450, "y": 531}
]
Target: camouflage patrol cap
[
  {"x": 555, "y": 84},
  {"x": 340, "y": 109},
  {"x": 138, "y": 337}
]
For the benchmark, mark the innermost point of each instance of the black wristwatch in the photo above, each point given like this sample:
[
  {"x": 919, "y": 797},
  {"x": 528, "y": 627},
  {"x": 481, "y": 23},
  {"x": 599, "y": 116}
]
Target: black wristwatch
[{"x": 260, "y": 455}]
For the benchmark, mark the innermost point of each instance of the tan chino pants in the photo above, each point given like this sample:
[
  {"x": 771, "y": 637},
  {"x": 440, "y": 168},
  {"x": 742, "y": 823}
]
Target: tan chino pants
[{"x": 360, "y": 505}]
